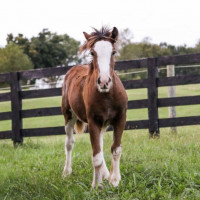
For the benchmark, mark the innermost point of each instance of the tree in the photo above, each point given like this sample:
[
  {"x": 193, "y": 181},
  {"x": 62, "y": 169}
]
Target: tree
[
  {"x": 144, "y": 49},
  {"x": 48, "y": 49},
  {"x": 19, "y": 40},
  {"x": 133, "y": 50},
  {"x": 125, "y": 38},
  {"x": 12, "y": 58}
]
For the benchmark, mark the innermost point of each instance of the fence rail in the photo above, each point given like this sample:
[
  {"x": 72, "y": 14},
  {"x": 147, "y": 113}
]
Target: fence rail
[{"x": 152, "y": 102}]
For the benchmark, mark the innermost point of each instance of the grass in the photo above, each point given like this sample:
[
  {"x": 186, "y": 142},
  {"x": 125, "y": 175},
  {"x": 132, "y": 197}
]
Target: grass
[{"x": 165, "y": 168}]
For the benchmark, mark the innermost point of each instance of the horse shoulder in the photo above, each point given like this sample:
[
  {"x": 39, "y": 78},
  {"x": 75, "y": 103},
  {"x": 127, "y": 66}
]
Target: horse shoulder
[{"x": 119, "y": 91}]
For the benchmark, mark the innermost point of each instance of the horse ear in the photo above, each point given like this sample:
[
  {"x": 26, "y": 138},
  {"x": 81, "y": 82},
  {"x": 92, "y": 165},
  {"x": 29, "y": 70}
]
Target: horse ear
[
  {"x": 114, "y": 33},
  {"x": 87, "y": 36}
]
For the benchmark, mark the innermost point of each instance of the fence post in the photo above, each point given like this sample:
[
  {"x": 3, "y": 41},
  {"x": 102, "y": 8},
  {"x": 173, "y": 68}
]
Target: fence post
[
  {"x": 172, "y": 93},
  {"x": 152, "y": 97},
  {"x": 16, "y": 106}
]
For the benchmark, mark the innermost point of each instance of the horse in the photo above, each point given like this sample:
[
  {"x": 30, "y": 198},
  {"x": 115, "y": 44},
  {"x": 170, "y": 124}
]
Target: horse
[{"x": 94, "y": 95}]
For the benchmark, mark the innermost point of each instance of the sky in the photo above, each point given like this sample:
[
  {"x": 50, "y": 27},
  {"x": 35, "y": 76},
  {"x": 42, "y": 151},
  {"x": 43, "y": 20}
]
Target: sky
[{"x": 173, "y": 21}]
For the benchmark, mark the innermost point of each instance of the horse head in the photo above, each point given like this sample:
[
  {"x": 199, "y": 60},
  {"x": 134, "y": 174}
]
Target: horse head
[{"x": 102, "y": 46}]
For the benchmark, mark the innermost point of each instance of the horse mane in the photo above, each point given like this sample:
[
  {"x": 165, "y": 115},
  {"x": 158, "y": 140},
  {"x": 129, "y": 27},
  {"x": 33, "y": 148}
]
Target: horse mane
[{"x": 97, "y": 35}]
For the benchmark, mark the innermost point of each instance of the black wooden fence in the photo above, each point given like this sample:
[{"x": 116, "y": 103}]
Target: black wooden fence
[{"x": 152, "y": 103}]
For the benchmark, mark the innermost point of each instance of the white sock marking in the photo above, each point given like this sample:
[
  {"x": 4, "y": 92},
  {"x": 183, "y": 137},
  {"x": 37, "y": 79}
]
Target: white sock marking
[
  {"x": 98, "y": 160},
  {"x": 69, "y": 143},
  {"x": 115, "y": 176}
]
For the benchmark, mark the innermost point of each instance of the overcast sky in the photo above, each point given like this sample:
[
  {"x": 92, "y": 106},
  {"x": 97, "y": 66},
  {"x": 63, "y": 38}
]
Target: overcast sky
[{"x": 174, "y": 21}]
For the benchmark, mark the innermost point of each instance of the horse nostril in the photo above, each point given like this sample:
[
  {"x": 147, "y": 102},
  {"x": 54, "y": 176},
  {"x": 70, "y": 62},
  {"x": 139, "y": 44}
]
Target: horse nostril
[
  {"x": 99, "y": 81},
  {"x": 109, "y": 80}
]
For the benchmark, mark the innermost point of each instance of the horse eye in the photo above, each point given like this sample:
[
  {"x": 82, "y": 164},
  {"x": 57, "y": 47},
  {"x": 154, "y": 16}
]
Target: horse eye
[
  {"x": 114, "y": 52},
  {"x": 92, "y": 53}
]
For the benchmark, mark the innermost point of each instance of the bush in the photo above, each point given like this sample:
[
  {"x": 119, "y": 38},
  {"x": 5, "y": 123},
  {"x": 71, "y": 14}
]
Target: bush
[{"x": 12, "y": 59}]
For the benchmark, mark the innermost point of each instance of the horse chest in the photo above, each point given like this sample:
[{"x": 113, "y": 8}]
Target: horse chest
[{"x": 104, "y": 112}]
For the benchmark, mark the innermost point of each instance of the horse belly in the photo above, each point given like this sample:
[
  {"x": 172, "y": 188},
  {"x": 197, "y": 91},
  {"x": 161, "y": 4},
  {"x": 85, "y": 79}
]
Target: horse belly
[{"x": 79, "y": 111}]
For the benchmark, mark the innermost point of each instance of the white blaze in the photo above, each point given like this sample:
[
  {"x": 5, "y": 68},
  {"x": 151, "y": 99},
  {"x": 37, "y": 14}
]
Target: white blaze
[{"x": 104, "y": 51}]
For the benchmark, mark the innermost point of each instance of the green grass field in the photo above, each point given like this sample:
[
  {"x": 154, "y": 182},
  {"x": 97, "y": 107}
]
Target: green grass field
[{"x": 165, "y": 168}]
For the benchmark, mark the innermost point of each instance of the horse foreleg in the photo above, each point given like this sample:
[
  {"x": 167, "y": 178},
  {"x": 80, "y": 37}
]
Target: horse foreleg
[
  {"x": 116, "y": 151},
  {"x": 97, "y": 158},
  {"x": 69, "y": 143}
]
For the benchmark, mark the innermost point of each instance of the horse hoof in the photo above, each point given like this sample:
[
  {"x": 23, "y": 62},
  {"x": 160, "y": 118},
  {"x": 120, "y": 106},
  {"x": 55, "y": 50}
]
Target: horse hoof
[
  {"x": 67, "y": 172},
  {"x": 114, "y": 180},
  {"x": 100, "y": 187}
]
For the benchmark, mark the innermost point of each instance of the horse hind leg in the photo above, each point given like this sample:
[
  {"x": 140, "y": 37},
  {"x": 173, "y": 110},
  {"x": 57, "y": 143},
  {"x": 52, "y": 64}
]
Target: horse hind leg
[
  {"x": 69, "y": 143},
  {"x": 104, "y": 170}
]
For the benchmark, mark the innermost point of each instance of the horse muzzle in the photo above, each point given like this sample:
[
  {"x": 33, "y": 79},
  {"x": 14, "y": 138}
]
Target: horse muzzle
[{"x": 104, "y": 85}]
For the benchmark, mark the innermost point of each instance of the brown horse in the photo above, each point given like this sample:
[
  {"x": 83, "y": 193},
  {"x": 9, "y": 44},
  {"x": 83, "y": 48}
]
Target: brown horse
[{"x": 94, "y": 94}]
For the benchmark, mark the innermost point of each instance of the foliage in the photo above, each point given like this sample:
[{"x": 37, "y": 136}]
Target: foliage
[
  {"x": 146, "y": 49},
  {"x": 12, "y": 58},
  {"x": 129, "y": 50},
  {"x": 133, "y": 50},
  {"x": 48, "y": 49},
  {"x": 125, "y": 38}
]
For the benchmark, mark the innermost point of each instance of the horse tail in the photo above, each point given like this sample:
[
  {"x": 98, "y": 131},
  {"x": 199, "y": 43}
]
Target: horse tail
[{"x": 79, "y": 126}]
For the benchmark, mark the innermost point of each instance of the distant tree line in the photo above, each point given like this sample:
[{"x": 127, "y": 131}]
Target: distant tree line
[
  {"x": 133, "y": 50},
  {"x": 49, "y": 49},
  {"x": 45, "y": 50}
]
